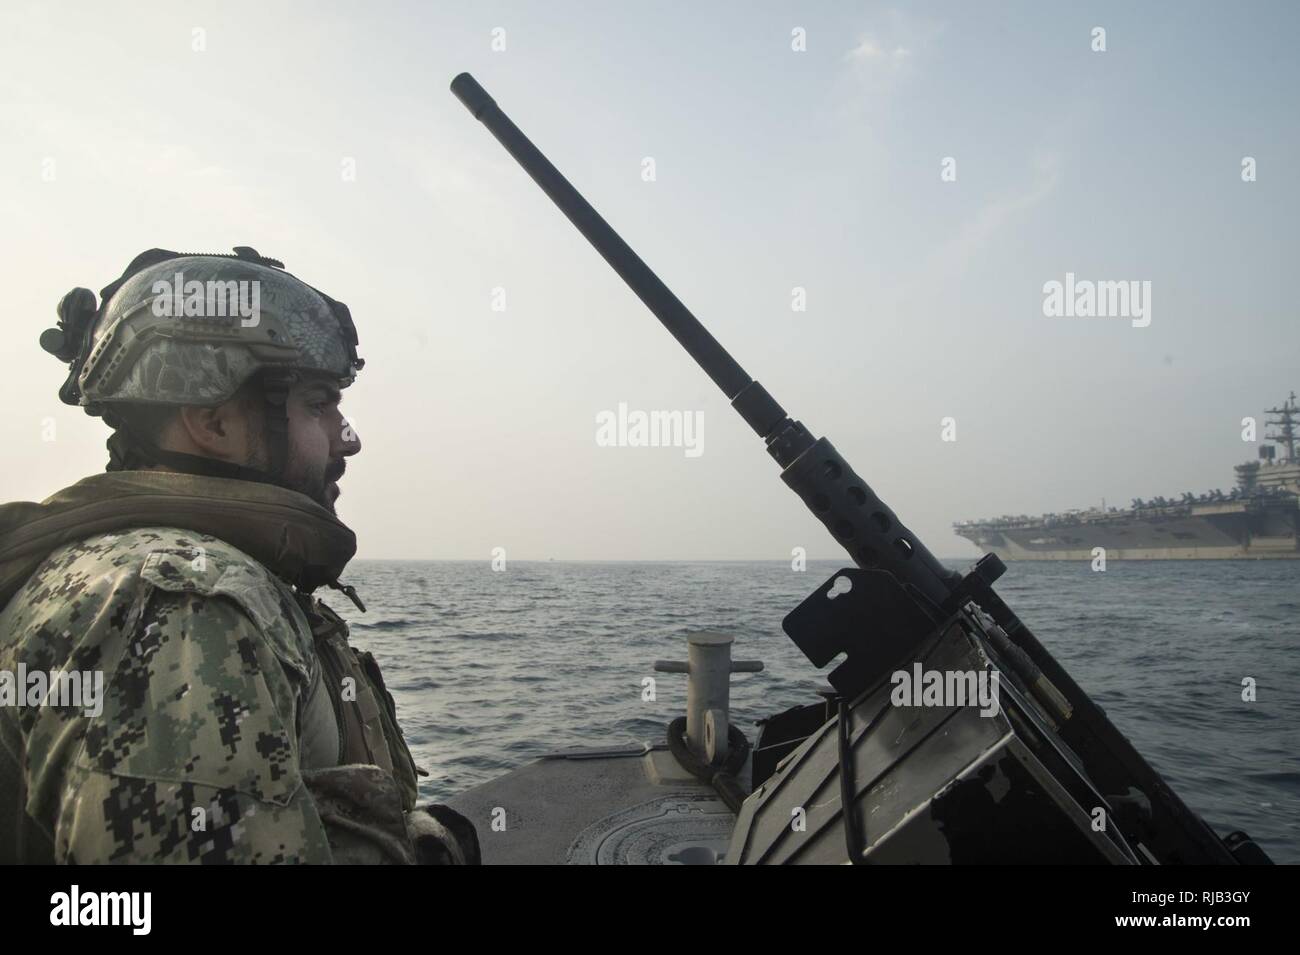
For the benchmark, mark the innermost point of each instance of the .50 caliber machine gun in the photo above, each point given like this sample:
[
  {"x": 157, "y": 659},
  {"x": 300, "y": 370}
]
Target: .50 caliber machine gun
[{"x": 1046, "y": 778}]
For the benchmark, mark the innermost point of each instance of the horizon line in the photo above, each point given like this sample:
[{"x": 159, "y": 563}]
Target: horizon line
[{"x": 612, "y": 560}]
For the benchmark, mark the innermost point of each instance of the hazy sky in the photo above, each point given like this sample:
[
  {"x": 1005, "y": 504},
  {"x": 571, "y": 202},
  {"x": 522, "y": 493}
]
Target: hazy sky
[{"x": 774, "y": 169}]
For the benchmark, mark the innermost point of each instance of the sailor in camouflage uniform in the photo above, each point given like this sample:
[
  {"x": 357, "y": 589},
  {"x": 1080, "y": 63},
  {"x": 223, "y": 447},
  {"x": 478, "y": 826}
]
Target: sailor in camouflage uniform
[{"x": 236, "y": 723}]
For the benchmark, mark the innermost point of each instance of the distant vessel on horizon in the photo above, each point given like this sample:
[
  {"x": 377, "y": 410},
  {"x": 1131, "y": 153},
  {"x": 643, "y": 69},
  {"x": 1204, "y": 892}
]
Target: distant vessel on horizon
[{"x": 1258, "y": 519}]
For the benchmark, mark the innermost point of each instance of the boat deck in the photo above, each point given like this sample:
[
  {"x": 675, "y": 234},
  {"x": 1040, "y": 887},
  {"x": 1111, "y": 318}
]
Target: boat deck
[{"x": 634, "y": 805}]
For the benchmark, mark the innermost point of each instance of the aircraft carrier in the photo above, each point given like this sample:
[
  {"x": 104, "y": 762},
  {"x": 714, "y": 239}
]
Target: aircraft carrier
[{"x": 1258, "y": 519}]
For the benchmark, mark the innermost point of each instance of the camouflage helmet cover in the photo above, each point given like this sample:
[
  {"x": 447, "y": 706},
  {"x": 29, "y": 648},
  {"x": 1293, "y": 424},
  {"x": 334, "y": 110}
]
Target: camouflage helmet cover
[{"x": 191, "y": 329}]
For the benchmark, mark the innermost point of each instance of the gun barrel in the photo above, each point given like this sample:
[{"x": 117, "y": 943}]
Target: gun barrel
[
  {"x": 858, "y": 520},
  {"x": 676, "y": 317}
]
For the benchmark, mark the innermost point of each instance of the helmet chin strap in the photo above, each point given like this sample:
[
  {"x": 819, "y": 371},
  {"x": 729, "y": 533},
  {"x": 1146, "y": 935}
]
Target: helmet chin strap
[{"x": 275, "y": 392}]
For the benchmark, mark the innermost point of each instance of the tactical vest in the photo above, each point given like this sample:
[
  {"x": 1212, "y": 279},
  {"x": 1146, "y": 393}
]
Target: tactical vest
[{"x": 263, "y": 547}]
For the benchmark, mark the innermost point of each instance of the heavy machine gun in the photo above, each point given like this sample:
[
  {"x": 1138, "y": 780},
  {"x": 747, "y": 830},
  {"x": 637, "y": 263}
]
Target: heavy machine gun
[{"x": 1047, "y": 778}]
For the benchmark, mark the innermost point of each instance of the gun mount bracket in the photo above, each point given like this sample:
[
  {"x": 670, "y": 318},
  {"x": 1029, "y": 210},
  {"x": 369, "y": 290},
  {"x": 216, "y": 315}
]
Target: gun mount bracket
[{"x": 873, "y": 623}]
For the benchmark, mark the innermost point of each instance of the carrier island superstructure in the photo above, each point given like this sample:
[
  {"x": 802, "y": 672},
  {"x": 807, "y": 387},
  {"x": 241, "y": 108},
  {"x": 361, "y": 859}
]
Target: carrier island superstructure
[{"x": 1258, "y": 519}]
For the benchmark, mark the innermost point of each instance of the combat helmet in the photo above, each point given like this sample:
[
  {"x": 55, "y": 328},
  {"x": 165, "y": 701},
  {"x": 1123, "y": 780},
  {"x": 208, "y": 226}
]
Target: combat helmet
[{"x": 191, "y": 329}]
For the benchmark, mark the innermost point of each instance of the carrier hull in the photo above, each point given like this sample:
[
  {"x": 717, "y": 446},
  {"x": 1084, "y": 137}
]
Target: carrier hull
[{"x": 1211, "y": 532}]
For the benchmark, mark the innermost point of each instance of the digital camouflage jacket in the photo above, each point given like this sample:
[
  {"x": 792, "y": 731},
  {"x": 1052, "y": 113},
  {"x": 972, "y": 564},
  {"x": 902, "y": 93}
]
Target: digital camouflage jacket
[{"x": 235, "y": 723}]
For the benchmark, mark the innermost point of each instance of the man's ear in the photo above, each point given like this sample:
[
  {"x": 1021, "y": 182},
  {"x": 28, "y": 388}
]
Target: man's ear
[{"x": 210, "y": 432}]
